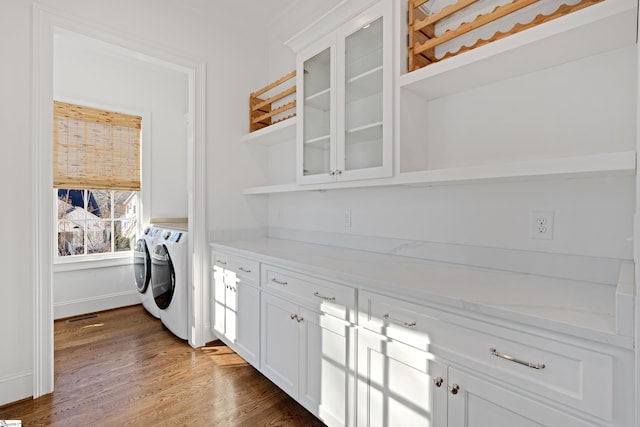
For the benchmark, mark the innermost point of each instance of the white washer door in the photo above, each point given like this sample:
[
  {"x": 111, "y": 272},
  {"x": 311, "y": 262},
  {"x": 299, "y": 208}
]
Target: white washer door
[
  {"x": 163, "y": 276},
  {"x": 142, "y": 265}
]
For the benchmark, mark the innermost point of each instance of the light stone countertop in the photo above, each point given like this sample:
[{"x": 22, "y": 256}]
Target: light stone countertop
[{"x": 578, "y": 308}]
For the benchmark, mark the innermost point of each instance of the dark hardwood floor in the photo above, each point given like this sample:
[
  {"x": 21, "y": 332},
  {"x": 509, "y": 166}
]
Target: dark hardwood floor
[{"x": 123, "y": 368}]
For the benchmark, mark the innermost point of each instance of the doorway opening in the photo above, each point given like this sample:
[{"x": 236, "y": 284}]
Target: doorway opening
[{"x": 58, "y": 42}]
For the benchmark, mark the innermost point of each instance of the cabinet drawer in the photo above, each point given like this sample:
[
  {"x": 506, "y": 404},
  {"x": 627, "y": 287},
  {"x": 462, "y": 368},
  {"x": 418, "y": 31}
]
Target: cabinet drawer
[
  {"x": 571, "y": 375},
  {"x": 243, "y": 268},
  {"x": 328, "y": 297},
  {"x": 404, "y": 322}
]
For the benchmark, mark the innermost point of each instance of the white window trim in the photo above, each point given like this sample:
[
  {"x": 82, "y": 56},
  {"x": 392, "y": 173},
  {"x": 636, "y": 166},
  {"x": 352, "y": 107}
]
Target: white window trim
[{"x": 111, "y": 259}]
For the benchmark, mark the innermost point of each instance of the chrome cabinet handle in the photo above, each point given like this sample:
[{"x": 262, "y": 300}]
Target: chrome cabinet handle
[
  {"x": 388, "y": 318},
  {"x": 274, "y": 280},
  {"x": 454, "y": 388},
  {"x": 221, "y": 262},
  {"x": 496, "y": 353},
  {"x": 437, "y": 381},
  {"x": 244, "y": 270},
  {"x": 296, "y": 318},
  {"x": 332, "y": 173},
  {"x": 317, "y": 294},
  {"x": 338, "y": 172}
]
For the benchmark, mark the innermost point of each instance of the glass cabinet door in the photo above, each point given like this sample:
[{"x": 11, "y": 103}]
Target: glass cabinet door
[
  {"x": 363, "y": 99},
  {"x": 317, "y": 125}
]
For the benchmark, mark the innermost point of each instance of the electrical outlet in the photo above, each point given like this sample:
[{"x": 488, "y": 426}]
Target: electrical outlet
[
  {"x": 347, "y": 219},
  {"x": 542, "y": 225}
]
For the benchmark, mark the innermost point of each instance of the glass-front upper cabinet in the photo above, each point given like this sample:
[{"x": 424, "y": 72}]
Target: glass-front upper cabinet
[
  {"x": 318, "y": 120},
  {"x": 345, "y": 100}
]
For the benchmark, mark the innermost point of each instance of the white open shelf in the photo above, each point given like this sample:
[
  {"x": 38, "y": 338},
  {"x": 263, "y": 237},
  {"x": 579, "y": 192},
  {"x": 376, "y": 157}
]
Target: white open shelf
[
  {"x": 275, "y": 134},
  {"x": 608, "y": 164},
  {"x": 592, "y": 30}
]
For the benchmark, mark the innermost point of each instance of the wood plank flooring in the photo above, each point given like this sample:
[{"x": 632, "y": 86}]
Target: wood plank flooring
[{"x": 123, "y": 368}]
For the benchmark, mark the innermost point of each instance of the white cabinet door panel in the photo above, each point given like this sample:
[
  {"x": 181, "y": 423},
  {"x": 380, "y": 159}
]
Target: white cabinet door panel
[
  {"x": 325, "y": 367},
  {"x": 279, "y": 354},
  {"x": 248, "y": 323},
  {"x": 396, "y": 385},
  {"x": 479, "y": 403}
]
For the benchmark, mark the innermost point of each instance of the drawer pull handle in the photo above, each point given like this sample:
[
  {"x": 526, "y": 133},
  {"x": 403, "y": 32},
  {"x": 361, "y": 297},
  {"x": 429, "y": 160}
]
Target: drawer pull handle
[
  {"x": 221, "y": 262},
  {"x": 437, "y": 381},
  {"x": 317, "y": 294},
  {"x": 516, "y": 360},
  {"x": 274, "y": 280},
  {"x": 399, "y": 322},
  {"x": 244, "y": 270},
  {"x": 454, "y": 388}
]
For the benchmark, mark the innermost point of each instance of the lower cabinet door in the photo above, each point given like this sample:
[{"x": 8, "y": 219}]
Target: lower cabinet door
[
  {"x": 326, "y": 368},
  {"x": 279, "y": 352},
  {"x": 478, "y": 403},
  {"x": 247, "y": 323},
  {"x": 218, "y": 300},
  {"x": 399, "y": 385}
]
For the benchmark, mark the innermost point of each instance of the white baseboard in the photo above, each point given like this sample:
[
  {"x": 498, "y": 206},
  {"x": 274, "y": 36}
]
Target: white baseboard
[
  {"x": 99, "y": 303},
  {"x": 16, "y": 387}
]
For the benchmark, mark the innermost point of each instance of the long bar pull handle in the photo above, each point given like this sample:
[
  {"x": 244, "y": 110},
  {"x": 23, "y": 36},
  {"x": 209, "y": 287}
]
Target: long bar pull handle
[
  {"x": 516, "y": 360},
  {"x": 244, "y": 270},
  {"x": 219, "y": 261},
  {"x": 399, "y": 322},
  {"x": 317, "y": 294},
  {"x": 274, "y": 280}
]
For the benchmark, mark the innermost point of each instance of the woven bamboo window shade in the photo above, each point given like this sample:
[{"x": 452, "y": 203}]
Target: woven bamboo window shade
[{"x": 95, "y": 149}]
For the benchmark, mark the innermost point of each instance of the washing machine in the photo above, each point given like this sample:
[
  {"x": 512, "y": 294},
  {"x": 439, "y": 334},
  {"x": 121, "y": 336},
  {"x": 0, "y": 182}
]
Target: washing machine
[
  {"x": 142, "y": 268},
  {"x": 169, "y": 280}
]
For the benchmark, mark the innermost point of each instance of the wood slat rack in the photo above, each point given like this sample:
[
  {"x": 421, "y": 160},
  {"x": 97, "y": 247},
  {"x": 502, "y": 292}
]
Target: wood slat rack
[
  {"x": 424, "y": 35},
  {"x": 266, "y": 112}
]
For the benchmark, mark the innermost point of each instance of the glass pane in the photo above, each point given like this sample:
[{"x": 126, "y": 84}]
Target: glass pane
[
  {"x": 363, "y": 97},
  {"x": 317, "y": 113},
  {"x": 124, "y": 235},
  {"x": 125, "y": 204},
  {"x": 71, "y": 204},
  {"x": 99, "y": 203},
  {"x": 98, "y": 236},
  {"x": 70, "y": 237}
]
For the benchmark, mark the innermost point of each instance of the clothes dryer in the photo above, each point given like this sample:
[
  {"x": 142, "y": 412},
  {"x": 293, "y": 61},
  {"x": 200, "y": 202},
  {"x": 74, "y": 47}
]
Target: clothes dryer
[
  {"x": 142, "y": 268},
  {"x": 169, "y": 280}
]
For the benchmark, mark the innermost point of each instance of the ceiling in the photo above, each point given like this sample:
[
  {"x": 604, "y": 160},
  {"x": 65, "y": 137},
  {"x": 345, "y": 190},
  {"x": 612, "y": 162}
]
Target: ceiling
[{"x": 267, "y": 10}]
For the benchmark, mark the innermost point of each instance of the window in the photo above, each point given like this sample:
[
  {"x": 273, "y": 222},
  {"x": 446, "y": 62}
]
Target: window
[
  {"x": 96, "y": 163},
  {"x": 96, "y": 221}
]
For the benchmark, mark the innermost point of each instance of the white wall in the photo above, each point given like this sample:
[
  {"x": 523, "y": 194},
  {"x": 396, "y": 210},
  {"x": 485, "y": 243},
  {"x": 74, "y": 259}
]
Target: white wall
[
  {"x": 16, "y": 292},
  {"x": 233, "y": 61}
]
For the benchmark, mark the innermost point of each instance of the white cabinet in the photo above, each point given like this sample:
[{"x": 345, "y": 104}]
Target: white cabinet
[
  {"x": 398, "y": 384},
  {"x": 306, "y": 351},
  {"x": 416, "y": 368},
  {"x": 236, "y": 304},
  {"x": 344, "y": 100}
]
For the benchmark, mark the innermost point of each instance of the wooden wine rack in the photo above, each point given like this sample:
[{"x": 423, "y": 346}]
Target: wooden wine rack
[
  {"x": 262, "y": 110},
  {"x": 422, "y": 38}
]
